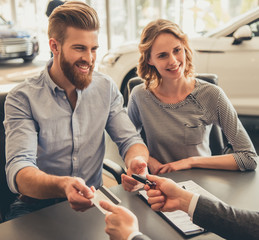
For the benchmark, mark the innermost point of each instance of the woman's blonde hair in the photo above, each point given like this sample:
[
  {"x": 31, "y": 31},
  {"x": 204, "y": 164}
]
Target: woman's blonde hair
[
  {"x": 150, "y": 33},
  {"x": 72, "y": 14}
]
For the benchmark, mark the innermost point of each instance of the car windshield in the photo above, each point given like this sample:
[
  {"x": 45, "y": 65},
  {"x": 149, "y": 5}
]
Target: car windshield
[
  {"x": 2, "y": 21},
  {"x": 231, "y": 22}
]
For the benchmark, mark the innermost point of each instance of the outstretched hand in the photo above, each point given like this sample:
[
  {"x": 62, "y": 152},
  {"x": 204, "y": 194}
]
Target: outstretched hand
[
  {"x": 137, "y": 166},
  {"x": 78, "y": 194},
  {"x": 167, "y": 195},
  {"x": 120, "y": 222}
]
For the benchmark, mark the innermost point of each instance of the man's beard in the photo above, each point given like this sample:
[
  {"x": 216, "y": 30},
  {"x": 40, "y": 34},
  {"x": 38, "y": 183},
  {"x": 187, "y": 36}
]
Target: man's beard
[{"x": 79, "y": 80}]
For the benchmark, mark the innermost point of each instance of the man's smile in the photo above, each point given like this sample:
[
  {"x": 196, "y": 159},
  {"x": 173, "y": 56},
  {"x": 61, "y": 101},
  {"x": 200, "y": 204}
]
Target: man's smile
[{"x": 85, "y": 68}]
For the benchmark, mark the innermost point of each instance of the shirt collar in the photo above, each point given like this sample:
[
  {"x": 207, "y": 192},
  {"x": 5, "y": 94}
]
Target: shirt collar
[{"x": 52, "y": 85}]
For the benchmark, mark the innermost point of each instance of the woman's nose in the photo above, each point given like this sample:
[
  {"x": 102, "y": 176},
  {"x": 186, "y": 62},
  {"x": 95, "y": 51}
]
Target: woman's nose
[{"x": 172, "y": 59}]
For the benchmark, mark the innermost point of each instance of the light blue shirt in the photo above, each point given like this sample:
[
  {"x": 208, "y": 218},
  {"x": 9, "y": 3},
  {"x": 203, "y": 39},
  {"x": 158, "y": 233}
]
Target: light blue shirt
[{"x": 44, "y": 132}]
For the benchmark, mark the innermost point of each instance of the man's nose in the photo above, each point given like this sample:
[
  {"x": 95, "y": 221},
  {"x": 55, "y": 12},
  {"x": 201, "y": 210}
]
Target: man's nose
[{"x": 88, "y": 57}]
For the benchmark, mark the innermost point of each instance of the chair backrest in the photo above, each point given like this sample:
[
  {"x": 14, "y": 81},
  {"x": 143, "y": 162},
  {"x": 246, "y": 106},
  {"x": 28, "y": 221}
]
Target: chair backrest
[
  {"x": 6, "y": 196},
  {"x": 216, "y": 136},
  {"x": 113, "y": 168}
]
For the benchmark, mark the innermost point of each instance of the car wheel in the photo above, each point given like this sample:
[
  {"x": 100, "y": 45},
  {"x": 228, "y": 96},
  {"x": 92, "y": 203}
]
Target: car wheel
[
  {"x": 124, "y": 86},
  {"x": 28, "y": 59}
]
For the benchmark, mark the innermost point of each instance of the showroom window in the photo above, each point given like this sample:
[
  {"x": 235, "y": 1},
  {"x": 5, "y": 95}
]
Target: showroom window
[{"x": 123, "y": 20}]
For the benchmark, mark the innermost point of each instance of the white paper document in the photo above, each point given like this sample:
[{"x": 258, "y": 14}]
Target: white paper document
[{"x": 180, "y": 219}]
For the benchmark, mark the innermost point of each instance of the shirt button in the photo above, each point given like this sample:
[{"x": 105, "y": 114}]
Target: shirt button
[
  {"x": 64, "y": 97},
  {"x": 74, "y": 158}
]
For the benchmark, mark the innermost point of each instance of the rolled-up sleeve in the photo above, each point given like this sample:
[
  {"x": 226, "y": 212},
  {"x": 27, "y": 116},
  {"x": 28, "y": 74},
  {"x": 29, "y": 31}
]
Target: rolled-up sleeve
[
  {"x": 21, "y": 137},
  {"x": 119, "y": 126},
  {"x": 244, "y": 151}
]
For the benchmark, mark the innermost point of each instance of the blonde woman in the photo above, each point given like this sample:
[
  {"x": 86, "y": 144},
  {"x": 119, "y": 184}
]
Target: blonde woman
[{"x": 177, "y": 110}]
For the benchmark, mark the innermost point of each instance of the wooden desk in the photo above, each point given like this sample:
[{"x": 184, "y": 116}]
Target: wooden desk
[{"x": 60, "y": 222}]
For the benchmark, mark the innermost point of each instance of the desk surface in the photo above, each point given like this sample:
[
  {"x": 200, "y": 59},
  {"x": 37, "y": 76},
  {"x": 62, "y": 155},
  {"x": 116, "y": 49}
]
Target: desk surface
[{"x": 61, "y": 222}]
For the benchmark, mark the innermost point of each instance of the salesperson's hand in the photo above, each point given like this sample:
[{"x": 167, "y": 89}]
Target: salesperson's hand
[
  {"x": 167, "y": 195},
  {"x": 120, "y": 222}
]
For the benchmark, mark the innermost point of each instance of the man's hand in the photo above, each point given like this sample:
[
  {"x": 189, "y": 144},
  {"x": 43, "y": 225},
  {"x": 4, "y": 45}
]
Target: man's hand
[
  {"x": 78, "y": 194},
  {"x": 167, "y": 195},
  {"x": 136, "y": 162},
  {"x": 120, "y": 222},
  {"x": 138, "y": 166}
]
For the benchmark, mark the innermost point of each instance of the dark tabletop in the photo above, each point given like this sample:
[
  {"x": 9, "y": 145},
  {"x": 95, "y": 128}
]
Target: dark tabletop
[{"x": 59, "y": 221}]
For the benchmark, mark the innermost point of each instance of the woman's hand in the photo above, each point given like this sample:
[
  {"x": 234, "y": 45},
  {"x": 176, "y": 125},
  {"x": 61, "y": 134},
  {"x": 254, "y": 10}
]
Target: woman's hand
[
  {"x": 154, "y": 165},
  {"x": 174, "y": 166}
]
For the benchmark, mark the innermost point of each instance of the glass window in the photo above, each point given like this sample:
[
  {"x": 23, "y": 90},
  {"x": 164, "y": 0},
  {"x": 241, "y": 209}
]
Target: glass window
[
  {"x": 119, "y": 28},
  {"x": 2, "y": 21},
  {"x": 127, "y": 18},
  {"x": 100, "y": 8},
  {"x": 5, "y": 10},
  {"x": 146, "y": 11}
]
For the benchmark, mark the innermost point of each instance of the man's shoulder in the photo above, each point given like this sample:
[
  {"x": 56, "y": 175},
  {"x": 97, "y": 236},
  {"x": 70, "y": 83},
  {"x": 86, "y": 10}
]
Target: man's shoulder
[
  {"x": 30, "y": 84},
  {"x": 100, "y": 78}
]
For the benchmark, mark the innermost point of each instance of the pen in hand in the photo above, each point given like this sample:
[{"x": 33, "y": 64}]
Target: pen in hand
[{"x": 143, "y": 179}]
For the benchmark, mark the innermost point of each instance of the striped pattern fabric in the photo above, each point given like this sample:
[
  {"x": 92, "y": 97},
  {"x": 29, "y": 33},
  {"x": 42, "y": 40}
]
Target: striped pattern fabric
[{"x": 181, "y": 130}]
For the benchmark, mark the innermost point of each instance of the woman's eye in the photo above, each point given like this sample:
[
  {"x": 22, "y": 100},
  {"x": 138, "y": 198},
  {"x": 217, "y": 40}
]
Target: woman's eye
[
  {"x": 177, "y": 50},
  {"x": 162, "y": 55}
]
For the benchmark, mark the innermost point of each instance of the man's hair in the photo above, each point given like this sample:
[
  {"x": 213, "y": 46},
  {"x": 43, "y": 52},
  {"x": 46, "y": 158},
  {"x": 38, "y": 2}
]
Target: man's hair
[
  {"x": 150, "y": 33},
  {"x": 72, "y": 14}
]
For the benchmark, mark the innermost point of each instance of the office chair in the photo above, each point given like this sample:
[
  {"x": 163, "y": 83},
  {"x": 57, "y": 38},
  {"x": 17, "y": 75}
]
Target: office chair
[
  {"x": 114, "y": 168},
  {"x": 218, "y": 143},
  {"x": 6, "y": 196}
]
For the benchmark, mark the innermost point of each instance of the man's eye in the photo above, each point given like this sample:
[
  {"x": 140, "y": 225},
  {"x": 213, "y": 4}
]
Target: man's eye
[{"x": 79, "y": 48}]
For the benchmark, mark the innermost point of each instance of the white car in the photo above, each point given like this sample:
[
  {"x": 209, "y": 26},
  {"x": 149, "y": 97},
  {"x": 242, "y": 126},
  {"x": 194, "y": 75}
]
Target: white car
[
  {"x": 231, "y": 52},
  {"x": 16, "y": 43}
]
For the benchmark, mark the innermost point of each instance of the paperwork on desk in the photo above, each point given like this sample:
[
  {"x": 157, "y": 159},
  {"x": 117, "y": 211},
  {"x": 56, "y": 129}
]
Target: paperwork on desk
[{"x": 180, "y": 219}]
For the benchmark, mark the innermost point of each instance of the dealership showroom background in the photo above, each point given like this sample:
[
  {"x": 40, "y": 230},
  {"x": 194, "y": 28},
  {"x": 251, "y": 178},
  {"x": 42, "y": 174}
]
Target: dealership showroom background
[{"x": 122, "y": 22}]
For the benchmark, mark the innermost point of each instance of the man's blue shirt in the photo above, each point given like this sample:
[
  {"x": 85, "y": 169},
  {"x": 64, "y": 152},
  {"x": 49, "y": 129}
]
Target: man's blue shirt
[{"x": 43, "y": 131}]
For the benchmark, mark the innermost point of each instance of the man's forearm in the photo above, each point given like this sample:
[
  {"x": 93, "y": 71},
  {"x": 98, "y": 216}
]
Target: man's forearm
[
  {"x": 138, "y": 151},
  {"x": 34, "y": 183}
]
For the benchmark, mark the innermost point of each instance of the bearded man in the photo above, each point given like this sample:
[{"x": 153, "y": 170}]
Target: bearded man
[{"x": 55, "y": 123}]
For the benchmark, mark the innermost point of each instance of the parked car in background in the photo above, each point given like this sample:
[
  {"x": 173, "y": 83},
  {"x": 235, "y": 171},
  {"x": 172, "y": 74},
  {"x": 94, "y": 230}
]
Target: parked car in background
[
  {"x": 231, "y": 52},
  {"x": 16, "y": 43}
]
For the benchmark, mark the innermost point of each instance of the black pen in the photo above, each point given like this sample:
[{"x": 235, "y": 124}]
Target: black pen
[{"x": 143, "y": 179}]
